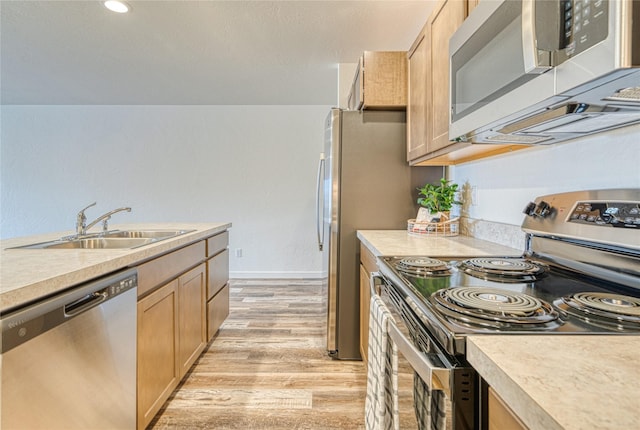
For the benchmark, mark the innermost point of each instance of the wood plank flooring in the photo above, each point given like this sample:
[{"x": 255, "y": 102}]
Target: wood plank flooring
[{"x": 268, "y": 368}]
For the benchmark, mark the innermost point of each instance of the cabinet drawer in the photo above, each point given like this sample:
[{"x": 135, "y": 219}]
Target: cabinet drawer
[
  {"x": 217, "y": 273},
  {"x": 217, "y": 311},
  {"x": 166, "y": 267},
  {"x": 367, "y": 259},
  {"x": 217, "y": 243}
]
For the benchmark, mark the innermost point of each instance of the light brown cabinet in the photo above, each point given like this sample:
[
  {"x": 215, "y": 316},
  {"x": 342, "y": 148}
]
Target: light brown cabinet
[
  {"x": 368, "y": 264},
  {"x": 380, "y": 81},
  {"x": 428, "y": 91},
  {"x": 428, "y": 106},
  {"x": 192, "y": 329},
  {"x": 217, "y": 282},
  {"x": 158, "y": 370},
  {"x": 179, "y": 294},
  {"x": 500, "y": 415},
  {"x": 171, "y": 337}
]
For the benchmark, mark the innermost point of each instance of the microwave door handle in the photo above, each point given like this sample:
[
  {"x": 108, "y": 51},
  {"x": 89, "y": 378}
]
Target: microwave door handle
[
  {"x": 319, "y": 213},
  {"x": 536, "y": 61},
  {"x": 436, "y": 378}
]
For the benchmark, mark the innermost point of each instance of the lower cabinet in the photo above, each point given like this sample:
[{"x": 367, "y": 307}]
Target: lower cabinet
[
  {"x": 217, "y": 311},
  {"x": 158, "y": 373},
  {"x": 217, "y": 282},
  {"x": 501, "y": 417},
  {"x": 192, "y": 329},
  {"x": 365, "y": 298},
  {"x": 368, "y": 264},
  {"x": 183, "y": 299},
  {"x": 171, "y": 337}
]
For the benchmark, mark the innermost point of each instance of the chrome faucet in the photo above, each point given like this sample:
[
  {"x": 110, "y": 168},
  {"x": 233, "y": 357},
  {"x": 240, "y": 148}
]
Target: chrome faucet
[{"x": 81, "y": 220}]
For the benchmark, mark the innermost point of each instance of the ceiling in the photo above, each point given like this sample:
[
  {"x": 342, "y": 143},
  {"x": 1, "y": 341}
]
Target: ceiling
[{"x": 193, "y": 52}]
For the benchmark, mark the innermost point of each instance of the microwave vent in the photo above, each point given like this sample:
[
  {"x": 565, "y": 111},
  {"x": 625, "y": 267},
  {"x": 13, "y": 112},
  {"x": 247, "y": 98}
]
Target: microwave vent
[{"x": 516, "y": 139}]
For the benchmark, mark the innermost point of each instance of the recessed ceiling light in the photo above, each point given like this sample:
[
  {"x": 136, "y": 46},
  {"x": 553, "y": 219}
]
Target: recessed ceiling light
[{"x": 117, "y": 6}]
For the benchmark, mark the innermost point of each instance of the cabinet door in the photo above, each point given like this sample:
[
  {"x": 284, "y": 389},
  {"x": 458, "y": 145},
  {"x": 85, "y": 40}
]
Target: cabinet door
[
  {"x": 192, "y": 335},
  {"x": 157, "y": 346},
  {"x": 384, "y": 84},
  {"x": 444, "y": 21},
  {"x": 419, "y": 67},
  {"x": 501, "y": 417}
]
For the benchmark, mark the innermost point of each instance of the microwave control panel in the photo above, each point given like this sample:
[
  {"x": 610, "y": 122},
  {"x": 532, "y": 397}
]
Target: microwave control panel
[{"x": 583, "y": 23}]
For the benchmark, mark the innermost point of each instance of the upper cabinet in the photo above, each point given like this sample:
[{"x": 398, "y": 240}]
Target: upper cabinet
[
  {"x": 428, "y": 93},
  {"x": 428, "y": 101},
  {"x": 380, "y": 81},
  {"x": 471, "y": 5}
]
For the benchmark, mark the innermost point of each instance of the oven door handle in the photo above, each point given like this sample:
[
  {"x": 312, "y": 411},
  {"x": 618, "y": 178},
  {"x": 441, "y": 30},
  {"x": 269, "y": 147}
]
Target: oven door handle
[{"x": 436, "y": 378}]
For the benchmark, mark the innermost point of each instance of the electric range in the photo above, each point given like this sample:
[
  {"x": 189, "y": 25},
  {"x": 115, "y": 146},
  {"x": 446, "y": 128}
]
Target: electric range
[{"x": 579, "y": 274}]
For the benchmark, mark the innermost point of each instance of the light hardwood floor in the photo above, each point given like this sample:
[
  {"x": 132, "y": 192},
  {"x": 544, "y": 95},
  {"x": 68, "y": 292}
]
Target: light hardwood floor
[{"x": 268, "y": 368}]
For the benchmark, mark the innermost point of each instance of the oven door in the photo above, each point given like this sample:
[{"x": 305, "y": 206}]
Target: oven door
[{"x": 435, "y": 390}]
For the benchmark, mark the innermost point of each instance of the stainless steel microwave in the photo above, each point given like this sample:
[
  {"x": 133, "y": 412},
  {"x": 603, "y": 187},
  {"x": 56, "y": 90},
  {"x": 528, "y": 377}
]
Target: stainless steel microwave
[{"x": 544, "y": 71}]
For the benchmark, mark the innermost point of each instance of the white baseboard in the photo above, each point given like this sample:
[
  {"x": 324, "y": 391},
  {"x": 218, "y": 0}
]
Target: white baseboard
[{"x": 274, "y": 275}]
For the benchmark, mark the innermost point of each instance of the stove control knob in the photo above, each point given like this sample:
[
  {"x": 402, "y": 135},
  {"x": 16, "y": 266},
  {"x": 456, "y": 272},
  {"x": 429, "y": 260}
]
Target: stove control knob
[
  {"x": 530, "y": 209},
  {"x": 543, "y": 209}
]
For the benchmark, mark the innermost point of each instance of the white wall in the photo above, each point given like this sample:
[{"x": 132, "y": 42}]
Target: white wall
[
  {"x": 505, "y": 184},
  {"x": 254, "y": 166}
]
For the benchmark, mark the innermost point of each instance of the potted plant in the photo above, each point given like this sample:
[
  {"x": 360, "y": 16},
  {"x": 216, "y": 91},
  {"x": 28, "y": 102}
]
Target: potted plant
[{"x": 436, "y": 201}]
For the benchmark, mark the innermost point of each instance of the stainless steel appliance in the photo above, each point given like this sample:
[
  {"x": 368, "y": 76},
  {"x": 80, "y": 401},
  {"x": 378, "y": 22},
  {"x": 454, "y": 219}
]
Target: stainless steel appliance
[
  {"x": 69, "y": 361},
  {"x": 544, "y": 71},
  {"x": 364, "y": 182},
  {"x": 579, "y": 274}
]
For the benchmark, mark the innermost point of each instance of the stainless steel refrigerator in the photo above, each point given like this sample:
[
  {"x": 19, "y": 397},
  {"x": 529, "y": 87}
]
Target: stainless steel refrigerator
[{"x": 364, "y": 183}]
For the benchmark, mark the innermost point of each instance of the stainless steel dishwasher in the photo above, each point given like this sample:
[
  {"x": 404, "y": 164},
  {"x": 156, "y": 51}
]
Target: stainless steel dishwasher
[{"x": 69, "y": 362}]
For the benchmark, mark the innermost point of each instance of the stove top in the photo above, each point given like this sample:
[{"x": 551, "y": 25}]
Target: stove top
[{"x": 517, "y": 295}]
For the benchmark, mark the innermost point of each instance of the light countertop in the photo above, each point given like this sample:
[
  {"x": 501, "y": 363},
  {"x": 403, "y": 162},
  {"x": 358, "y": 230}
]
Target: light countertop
[
  {"x": 563, "y": 382},
  {"x": 399, "y": 242},
  {"x": 29, "y": 274},
  {"x": 549, "y": 381}
]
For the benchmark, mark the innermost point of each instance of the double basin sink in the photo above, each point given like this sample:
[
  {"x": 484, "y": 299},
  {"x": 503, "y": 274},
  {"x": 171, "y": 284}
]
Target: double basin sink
[{"x": 116, "y": 239}]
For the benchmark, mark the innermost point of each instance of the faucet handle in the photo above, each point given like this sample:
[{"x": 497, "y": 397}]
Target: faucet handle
[
  {"x": 81, "y": 220},
  {"x": 82, "y": 210}
]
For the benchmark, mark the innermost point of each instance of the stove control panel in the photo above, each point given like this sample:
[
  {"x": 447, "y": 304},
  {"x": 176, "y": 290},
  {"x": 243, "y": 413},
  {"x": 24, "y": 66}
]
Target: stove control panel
[{"x": 615, "y": 214}]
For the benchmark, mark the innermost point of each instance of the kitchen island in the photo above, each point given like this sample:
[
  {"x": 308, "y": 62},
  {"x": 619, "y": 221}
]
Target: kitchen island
[
  {"x": 182, "y": 298},
  {"x": 547, "y": 381},
  {"x": 27, "y": 275}
]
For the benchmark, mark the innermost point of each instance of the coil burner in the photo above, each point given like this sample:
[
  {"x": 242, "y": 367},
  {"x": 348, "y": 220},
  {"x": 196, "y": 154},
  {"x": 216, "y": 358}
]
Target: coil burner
[
  {"x": 493, "y": 307},
  {"x": 606, "y": 309},
  {"x": 423, "y": 267},
  {"x": 502, "y": 269}
]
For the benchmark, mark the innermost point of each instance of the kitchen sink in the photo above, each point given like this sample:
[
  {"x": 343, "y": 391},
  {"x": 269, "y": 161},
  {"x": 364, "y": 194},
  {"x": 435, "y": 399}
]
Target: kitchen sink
[
  {"x": 116, "y": 239},
  {"x": 145, "y": 234},
  {"x": 100, "y": 243}
]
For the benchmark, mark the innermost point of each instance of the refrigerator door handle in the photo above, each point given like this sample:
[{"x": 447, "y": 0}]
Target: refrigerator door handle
[{"x": 319, "y": 210}]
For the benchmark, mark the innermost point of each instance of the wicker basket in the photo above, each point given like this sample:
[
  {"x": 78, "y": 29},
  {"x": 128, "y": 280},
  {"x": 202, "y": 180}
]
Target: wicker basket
[{"x": 449, "y": 227}]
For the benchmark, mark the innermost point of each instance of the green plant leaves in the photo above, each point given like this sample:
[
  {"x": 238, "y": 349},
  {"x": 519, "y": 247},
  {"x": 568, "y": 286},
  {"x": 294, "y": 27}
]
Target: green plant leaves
[{"x": 438, "y": 198}]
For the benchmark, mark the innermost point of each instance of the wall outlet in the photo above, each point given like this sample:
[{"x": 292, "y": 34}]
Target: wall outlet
[
  {"x": 238, "y": 252},
  {"x": 474, "y": 196}
]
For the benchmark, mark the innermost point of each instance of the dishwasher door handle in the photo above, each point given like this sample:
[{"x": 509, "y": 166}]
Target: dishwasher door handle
[{"x": 84, "y": 303}]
